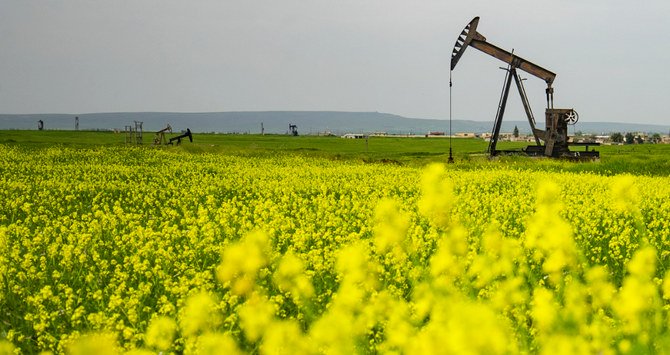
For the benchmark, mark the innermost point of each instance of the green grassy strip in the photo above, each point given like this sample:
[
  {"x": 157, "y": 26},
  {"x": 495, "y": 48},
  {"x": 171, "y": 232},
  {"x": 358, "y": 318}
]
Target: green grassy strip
[{"x": 469, "y": 153}]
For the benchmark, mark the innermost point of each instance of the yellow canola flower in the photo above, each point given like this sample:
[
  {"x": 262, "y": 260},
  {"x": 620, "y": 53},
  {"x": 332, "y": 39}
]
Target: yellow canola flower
[
  {"x": 499, "y": 246},
  {"x": 336, "y": 332},
  {"x": 634, "y": 300},
  {"x": 482, "y": 270},
  {"x": 127, "y": 236},
  {"x": 358, "y": 280},
  {"x": 638, "y": 297},
  {"x": 256, "y": 315},
  {"x": 241, "y": 261},
  {"x": 625, "y": 193},
  {"x": 6, "y": 348},
  {"x": 548, "y": 195},
  {"x": 284, "y": 337},
  {"x": 354, "y": 265},
  {"x": 563, "y": 344},
  {"x": 423, "y": 300},
  {"x": 574, "y": 303},
  {"x": 390, "y": 225},
  {"x": 510, "y": 292},
  {"x": 138, "y": 351},
  {"x": 161, "y": 332},
  {"x": 199, "y": 314},
  {"x": 459, "y": 326},
  {"x": 544, "y": 309},
  {"x": 214, "y": 344},
  {"x": 399, "y": 329},
  {"x": 643, "y": 263},
  {"x": 437, "y": 196},
  {"x": 599, "y": 288},
  {"x": 495, "y": 259},
  {"x": 666, "y": 286},
  {"x": 103, "y": 343},
  {"x": 290, "y": 276},
  {"x": 550, "y": 235},
  {"x": 449, "y": 260}
]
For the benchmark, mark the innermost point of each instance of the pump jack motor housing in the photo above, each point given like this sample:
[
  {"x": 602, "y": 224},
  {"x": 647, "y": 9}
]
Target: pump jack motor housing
[{"x": 555, "y": 135}]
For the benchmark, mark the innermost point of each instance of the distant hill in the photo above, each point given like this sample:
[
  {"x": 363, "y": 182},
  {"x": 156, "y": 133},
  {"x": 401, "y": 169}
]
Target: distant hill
[{"x": 308, "y": 122}]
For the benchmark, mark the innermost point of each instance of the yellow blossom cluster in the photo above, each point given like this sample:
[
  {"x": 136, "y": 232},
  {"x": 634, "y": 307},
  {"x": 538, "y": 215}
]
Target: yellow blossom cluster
[{"x": 145, "y": 251}]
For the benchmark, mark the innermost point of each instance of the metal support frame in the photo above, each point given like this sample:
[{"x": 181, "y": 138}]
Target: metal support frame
[
  {"x": 526, "y": 106},
  {"x": 138, "y": 132},
  {"x": 537, "y": 133},
  {"x": 129, "y": 134},
  {"x": 501, "y": 112}
]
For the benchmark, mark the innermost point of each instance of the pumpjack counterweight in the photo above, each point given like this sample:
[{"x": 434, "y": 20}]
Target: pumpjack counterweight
[{"x": 555, "y": 133}]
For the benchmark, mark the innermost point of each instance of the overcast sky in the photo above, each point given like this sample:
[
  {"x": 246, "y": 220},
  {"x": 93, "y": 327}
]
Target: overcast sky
[{"x": 611, "y": 57}]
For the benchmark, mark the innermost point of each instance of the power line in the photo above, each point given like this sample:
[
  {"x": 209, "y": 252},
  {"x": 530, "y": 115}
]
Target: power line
[{"x": 451, "y": 157}]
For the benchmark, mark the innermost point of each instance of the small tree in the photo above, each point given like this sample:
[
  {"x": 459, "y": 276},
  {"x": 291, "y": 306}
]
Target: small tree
[
  {"x": 617, "y": 137},
  {"x": 515, "y": 133},
  {"x": 630, "y": 138},
  {"x": 656, "y": 138}
]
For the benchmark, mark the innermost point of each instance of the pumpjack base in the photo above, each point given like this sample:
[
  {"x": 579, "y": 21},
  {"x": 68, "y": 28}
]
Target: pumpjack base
[
  {"x": 539, "y": 150},
  {"x": 565, "y": 153}
]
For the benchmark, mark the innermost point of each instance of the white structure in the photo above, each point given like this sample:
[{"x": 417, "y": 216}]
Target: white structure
[{"x": 354, "y": 135}]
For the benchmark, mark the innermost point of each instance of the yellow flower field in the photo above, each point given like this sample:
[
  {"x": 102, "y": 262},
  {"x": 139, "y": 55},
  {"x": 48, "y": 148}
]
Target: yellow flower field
[{"x": 130, "y": 250}]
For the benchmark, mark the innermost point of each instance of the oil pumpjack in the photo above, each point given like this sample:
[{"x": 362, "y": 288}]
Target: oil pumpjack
[
  {"x": 555, "y": 134},
  {"x": 186, "y": 134},
  {"x": 293, "y": 129},
  {"x": 160, "y": 135}
]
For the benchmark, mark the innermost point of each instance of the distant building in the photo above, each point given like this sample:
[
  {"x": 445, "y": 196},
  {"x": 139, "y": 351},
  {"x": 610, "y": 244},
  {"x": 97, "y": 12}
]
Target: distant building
[
  {"x": 522, "y": 138},
  {"x": 354, "y": 136},
  {"x": 466, "y": 135},
  {"x": 508, "y": 136},
  {"x": 602, "y": 139}
]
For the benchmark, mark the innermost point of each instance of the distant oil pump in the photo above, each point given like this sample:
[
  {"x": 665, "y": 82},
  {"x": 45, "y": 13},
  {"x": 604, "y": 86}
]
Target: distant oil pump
[
  {"x": 293, "y": 129},
  {"x": 178, "y": 138},
  {"x": 160, "y": 135},
  {"x": 555, "y": 134}
]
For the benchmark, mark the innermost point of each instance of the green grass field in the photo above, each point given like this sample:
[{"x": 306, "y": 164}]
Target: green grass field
[{"x": 645, "y": 159}]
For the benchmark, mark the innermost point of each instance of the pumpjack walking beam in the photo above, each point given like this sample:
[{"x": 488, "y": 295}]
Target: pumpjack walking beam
[{"x": 470, "y": 37}]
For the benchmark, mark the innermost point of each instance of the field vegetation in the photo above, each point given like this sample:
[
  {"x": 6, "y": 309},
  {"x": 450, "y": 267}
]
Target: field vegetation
[
  {"x": 636, "y": 159},
  {"x": 273, "y": 244}
]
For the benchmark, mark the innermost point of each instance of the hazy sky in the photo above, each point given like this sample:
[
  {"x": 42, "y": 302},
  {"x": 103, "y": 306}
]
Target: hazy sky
[{"x": 611, "y": 57}]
